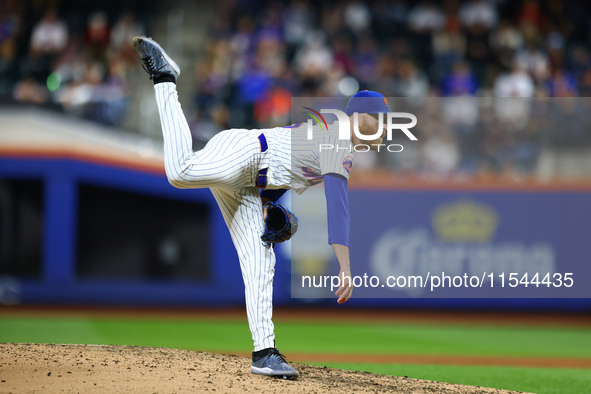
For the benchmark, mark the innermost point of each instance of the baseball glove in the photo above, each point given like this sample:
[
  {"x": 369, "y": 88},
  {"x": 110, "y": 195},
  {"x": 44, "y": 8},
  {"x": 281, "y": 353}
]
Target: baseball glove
[{"x": 280, "y": 224}]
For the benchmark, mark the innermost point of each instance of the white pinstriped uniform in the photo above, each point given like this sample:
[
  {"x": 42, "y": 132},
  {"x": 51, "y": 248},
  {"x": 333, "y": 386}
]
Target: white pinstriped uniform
[
  {"x": 297, "y": 163},
  {"x": 229, "y": 165}
]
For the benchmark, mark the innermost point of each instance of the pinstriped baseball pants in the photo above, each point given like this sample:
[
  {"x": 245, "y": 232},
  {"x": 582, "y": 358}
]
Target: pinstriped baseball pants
[{"x": 227, "y": 165}]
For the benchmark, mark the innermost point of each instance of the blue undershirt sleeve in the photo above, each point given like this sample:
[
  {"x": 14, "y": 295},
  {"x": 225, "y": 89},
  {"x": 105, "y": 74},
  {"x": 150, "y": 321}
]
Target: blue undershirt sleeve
[
  {"x": 273, "y": 195},
  {"x": 337, "y": 204}
]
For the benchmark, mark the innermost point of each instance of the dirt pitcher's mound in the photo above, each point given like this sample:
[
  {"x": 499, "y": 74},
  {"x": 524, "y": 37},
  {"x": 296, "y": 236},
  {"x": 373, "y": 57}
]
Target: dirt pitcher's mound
[{"x": 49, "y": 368}]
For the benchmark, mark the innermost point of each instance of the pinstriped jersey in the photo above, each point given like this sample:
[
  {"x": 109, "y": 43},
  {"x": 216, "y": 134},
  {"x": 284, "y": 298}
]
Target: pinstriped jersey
[{"x": 297, "y": 162}]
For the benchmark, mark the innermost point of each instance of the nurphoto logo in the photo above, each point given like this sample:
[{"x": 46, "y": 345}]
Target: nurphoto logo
[{"x": 345, "y": 130}]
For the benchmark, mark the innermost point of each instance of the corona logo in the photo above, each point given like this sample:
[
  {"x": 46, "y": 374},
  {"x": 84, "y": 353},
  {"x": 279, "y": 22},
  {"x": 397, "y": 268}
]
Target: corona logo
[{"x": 465, "y": 221}]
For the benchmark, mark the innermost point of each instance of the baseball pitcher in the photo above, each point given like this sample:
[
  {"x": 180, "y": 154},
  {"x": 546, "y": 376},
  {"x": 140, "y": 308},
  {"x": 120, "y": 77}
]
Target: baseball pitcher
[{"x": 248, "y": 171}]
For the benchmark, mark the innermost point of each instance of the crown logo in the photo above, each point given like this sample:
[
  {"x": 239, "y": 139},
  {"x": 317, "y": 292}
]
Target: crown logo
[{"x": 465, "y": 221}]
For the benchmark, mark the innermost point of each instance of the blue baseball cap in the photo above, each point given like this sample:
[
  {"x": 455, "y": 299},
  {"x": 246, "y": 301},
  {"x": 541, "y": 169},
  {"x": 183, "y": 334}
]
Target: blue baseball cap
[{"x": 367, "y": 102}]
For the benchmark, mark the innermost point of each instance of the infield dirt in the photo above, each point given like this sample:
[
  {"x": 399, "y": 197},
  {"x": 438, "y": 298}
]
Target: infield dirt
[{"x": 52, "y": 368}]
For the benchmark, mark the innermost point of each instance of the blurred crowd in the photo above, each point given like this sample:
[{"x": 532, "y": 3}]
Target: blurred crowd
[
  {"x": 68, "y": 55},
  {"x": 260, "y": 54}
]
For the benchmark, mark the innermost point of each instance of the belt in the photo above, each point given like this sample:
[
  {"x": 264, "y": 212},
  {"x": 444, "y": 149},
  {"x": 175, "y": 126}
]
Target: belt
[{"x": 261, "y": 181}]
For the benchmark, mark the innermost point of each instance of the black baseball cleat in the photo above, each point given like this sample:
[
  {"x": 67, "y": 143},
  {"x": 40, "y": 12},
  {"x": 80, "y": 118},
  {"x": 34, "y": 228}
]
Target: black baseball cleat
[
  {"x": 155, "y": 61},
  {"x": 270, "y": 362}
]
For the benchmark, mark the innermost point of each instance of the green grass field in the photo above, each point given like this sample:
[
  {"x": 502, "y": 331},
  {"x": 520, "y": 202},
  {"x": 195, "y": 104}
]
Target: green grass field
[{"x": 232, "y": 335}]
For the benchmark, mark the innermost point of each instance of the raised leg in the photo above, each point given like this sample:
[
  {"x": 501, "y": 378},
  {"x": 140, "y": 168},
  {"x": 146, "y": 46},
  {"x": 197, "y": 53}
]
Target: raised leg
[{"x": 225, "y": 162}]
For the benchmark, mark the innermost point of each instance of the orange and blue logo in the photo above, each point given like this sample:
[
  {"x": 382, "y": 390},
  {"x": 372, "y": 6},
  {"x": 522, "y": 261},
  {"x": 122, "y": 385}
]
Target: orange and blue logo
[
  {"x": 311, "y": 176},
  {"x": 348, "y": 164}
]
